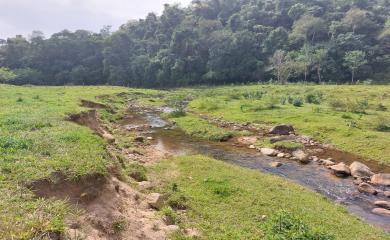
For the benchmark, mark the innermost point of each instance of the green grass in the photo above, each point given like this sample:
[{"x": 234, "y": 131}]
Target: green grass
[
  {"x": 199, "y": 128},
  {"x": 353, "y": 118},
  {"x": 35, "y": 142},
  {"x": 226, "y": 202}
]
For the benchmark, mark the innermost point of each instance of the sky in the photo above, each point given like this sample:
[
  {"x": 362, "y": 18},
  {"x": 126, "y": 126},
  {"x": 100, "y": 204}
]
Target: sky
[{"x": 50, "y": 16}]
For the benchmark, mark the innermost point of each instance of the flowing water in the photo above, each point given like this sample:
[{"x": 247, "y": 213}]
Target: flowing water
[{"x": 313, "y": 176}]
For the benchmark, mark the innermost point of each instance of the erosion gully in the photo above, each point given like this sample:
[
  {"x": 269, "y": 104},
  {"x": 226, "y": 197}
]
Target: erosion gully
[{"x": 312, "y": 176}]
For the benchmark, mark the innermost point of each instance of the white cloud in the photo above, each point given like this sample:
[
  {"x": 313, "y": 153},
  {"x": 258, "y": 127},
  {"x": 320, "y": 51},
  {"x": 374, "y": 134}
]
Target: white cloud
[{"x": 49, "y": 16}]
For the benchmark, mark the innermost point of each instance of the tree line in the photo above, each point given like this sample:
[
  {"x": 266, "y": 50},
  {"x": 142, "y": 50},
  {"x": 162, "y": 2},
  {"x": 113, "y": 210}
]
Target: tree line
[{"x": 214, "y": 42}]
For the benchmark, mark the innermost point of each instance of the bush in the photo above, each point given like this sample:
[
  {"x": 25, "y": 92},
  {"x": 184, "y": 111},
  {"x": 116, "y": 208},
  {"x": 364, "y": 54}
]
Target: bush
[
  {"x": 298, "y": 102},
  {"x": 347, "y": 105},
  {"x": 314, "y": 97},
  {"x": 358, "y": 106},
  {"x": 169, "y": 215},
  {"x": 381, "y": 107},
  {"x": 178, "y": 201},
  {"x": 382, "y": 124},
  {"x": 284, "y": 225}
]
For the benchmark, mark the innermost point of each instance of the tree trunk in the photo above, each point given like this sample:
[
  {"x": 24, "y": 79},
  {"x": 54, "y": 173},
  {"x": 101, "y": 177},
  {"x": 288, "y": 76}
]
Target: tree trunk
[
  {"x": 305, "y": 76},
  {"x": 319, "y": 75},
  {"x": 353, "y": 76}
]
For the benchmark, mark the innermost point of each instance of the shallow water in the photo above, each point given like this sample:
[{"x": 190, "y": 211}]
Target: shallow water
[{"x": 317, "y": 178}]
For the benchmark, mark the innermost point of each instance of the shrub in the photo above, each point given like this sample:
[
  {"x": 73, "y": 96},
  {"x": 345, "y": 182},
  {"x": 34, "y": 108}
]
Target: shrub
[
  {"x": 354, "y": 106},
  {"x": 284, "y": 225},
  {"x": 119, "y": 225},
  {"x": 254, "y": 95},
  {"x": 298, "y": 102},
  {"x": 381, "y": 107},
  {"x": 169, "y": 215},
  {"x": 337, "y": 104},
  {"x": 346, "y": 116},
  {"x": 178, "y": 201},
  {"x": 358, "y": 106},
  {"x": 382, "y": 124},
  {"x": 290, "y": 99},
  {"x": 314, "y": 97}
]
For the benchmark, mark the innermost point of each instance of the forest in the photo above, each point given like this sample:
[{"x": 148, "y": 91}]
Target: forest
[{"x": 214, "y": 42}]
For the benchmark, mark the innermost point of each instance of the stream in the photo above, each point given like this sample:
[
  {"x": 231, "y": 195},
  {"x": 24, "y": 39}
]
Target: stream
[{"x": 312, "y": 176}]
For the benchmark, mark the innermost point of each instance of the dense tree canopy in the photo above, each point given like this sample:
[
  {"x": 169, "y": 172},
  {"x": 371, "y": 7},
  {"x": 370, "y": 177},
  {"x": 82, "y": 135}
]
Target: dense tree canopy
[{"x": 215, "y": 42}]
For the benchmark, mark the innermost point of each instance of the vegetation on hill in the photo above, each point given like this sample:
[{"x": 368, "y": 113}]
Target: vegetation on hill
[{"x": 215, "y": 42}]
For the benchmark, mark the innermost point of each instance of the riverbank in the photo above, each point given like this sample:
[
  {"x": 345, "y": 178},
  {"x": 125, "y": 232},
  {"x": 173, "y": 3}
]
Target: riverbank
[{"x": 44, "y": 150}]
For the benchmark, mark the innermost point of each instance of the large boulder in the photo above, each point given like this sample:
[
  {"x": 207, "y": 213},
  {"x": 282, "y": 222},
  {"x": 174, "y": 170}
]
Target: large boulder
[
  {"x": 282, "y": 129},
  {"x": 301, "y": 156},
  {"x": 381, "y": 179},
  {"x": 359, "y": 170},
  {"x": 341, "y": 170},
  {"x": 367, "y": 188},
  {"x": 383, "y": 204},
  {"x": 268, "y": 151},
  {"x": 381, "y": 211}
]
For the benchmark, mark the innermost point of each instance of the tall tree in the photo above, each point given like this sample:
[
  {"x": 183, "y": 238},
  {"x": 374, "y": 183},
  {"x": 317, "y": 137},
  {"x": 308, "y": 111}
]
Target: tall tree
[
  {"x": 6, "y": 75},
  {"x": 282, "y": 65},
  {"x": 354, "y": 60}
]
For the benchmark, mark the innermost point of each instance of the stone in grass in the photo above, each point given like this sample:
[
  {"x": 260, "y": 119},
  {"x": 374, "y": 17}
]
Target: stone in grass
[
  {"x": 156, "y": 200},
  {"x": 367, "y": 188},
  {"x": 282, "y": 129},
  {"x": 280, "y": 155},
  {"x": 108, "y": 137},
  {"x": 341, "y": 170},
  {"x": 268, "y": 151}
]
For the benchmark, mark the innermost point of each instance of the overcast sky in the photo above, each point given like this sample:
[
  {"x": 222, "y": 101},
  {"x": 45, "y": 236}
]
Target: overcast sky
[{"x": 50, "y": 16}]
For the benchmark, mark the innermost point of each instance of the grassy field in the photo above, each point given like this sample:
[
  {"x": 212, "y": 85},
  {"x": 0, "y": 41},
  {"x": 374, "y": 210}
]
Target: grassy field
[
  {"x": 36, "y": 141},
  {"x": 227, "y": 202},
  {"x": 355, "y": 119}
]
